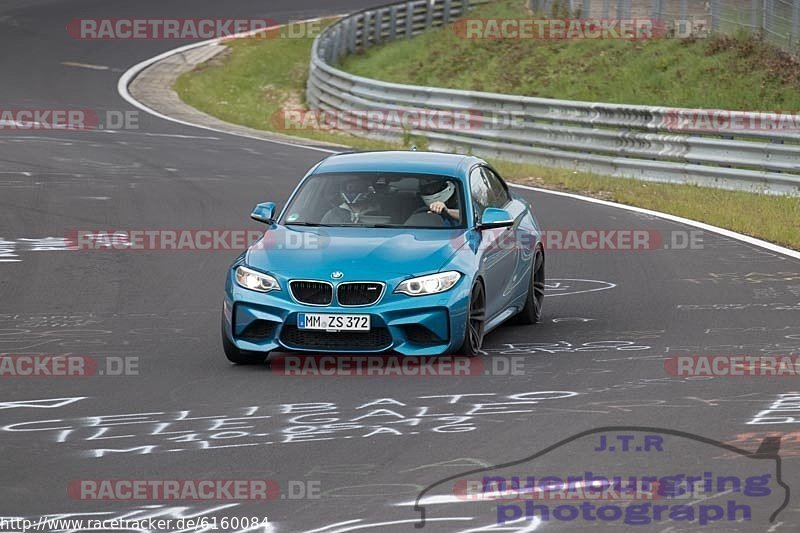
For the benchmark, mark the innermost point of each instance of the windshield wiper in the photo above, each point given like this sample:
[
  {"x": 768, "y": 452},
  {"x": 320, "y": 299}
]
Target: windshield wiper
[
  {"x": 356, "y": 225},
  {"x": 382, "y": 226},
  {"x": 309, "y": 224}
]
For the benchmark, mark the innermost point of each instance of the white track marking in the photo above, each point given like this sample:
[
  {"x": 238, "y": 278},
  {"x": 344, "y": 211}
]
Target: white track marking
[
  {"x": 674, "y": 218},
  {"x": 606, "y": 286},
  {"x": 84, "y": 65},
  {"x": 487, "y": 495}
]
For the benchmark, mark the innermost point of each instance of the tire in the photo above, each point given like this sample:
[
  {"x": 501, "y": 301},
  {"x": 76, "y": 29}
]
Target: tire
[
  {"x": 237, "y": 356},
  {"x": 476, "y": 322},
  {"x": 534, "y": 301}
]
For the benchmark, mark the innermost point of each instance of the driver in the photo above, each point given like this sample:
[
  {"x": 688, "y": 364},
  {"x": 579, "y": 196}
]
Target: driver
[
  {"x": 441, "y": 198},
  {"x": 357, "y": 200}
]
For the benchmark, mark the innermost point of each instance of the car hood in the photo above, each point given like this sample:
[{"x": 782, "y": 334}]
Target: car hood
[{"x": 359, "y": 253}]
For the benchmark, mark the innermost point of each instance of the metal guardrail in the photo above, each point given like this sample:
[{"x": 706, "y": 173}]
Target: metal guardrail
[{"x": 649, "y": 143}]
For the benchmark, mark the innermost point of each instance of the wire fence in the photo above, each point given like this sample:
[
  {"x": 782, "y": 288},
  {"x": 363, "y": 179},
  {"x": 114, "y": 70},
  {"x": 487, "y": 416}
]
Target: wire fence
[{"x": 777, "y": 21}]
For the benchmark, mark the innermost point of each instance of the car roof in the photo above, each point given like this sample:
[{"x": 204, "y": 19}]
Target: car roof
[{"x": 439, "y": 163}]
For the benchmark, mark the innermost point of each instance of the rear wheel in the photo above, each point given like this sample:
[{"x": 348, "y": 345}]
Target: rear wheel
[
  {"x": 476, "y": 321},
  {"x": 532, "y": 312},
  {"x": 240, "y": 357}
]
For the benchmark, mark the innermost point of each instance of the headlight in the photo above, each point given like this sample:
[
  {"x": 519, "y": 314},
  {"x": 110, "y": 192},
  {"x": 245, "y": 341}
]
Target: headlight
[
  {"x": 256, "y": 281},
  {"x": 432, "y": 284}
]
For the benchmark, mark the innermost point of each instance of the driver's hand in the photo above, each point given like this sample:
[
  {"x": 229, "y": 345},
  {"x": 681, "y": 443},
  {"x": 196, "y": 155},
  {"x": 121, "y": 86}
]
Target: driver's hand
[{"x": 437, "y": 207}]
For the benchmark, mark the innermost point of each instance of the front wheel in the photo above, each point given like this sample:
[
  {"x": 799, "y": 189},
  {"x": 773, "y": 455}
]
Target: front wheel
[
  {"x": 532, "y": 312},
  {"x": 476, "y": 321},
  {"x": 237, "y": 356}
]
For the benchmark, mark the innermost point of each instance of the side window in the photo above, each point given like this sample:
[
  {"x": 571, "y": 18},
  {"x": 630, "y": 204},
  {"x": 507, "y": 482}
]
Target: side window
[
  {"x": 479, "y": 192},
  {"x": 498, "y": 194}
]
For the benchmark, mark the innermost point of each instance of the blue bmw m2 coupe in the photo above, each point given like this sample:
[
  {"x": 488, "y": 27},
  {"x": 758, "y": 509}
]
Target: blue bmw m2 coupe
[{"x": 416, "y": 253}]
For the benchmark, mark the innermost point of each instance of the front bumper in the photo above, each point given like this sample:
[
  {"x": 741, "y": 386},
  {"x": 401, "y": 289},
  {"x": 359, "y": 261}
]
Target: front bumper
[{"x": 409, "y": 325}]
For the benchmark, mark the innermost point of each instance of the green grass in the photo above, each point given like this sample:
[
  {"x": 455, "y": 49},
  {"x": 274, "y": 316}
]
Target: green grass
[
  {"x": 255, "y": 83},
  {"x": 723, "y": 72},
  {"x": 259, "y": 77}
]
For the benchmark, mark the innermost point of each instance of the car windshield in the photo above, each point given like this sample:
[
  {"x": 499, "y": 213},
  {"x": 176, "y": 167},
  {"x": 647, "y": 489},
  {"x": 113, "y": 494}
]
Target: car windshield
[{"x": 377, "y": 199}]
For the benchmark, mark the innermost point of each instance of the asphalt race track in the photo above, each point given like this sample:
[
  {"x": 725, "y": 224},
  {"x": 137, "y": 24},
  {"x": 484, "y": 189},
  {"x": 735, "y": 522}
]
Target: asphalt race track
[{"x": 360, "y": 449}]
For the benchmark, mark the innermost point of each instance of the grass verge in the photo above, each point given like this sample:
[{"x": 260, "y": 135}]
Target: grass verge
[
  {"x": 258, "y": 78},
  {"x": 256, "y": 82},
  {"x": 772, "y": 218}
]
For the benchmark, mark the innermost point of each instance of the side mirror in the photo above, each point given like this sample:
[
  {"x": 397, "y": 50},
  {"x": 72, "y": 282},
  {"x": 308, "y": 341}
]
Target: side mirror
[
  {"x": 264, "y": 212},
  {"x": 495, "y": 218}
]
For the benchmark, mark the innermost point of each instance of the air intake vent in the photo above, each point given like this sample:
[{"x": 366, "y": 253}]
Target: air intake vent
[
  {"x": 359, "y": 293},
  {"x": 312, "y": 292},
  {"x": 375, "y": 339}
]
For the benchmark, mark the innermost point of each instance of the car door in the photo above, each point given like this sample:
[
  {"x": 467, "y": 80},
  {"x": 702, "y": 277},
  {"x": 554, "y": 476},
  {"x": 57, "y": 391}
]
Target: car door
[
  {"x": 520, "y": 241},
  {"x": 497, "y": 249}
]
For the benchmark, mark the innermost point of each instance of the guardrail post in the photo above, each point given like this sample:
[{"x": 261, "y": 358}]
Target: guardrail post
[
  {"x": 345, "y": 40},
  {"x": 409, "y": 20},
  {"x": 446, "y": 12},
  {"x": 377, "y": 21},
  {"x": 606, "y": 8},
  {"x": 393, "y": 23},
  {"x": 365, "y": 44},
  {"x": 684, "y": 10},
  {"x": 327, "y": 51},
  {"x": 352, "y": 28},
  {"x": 429, "y": 14},
  {"x": 377, "y": 27},
  {"x": 333, "y": 44}
]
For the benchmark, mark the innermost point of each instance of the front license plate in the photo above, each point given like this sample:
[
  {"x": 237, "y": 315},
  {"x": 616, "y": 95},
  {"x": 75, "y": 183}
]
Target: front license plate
[{"x": 333, "y": 322}]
